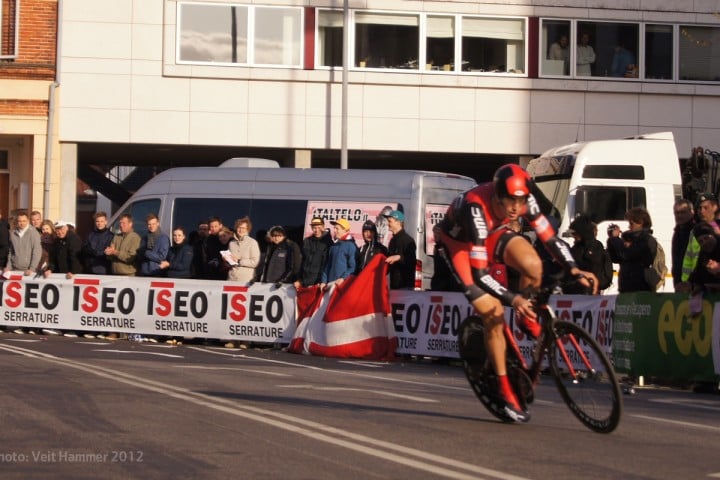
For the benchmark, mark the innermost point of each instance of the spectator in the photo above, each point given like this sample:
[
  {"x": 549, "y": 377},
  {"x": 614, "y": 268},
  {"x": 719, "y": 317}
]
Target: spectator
[
  {"x": 25, "y": 247},
  {"x": 197, "y": 240},
  {"x": 36, "y": 220},
  {"x": 623, "y": 62},
  {"x": 707, "y": 210},
  {"x": 283, "y": 259},
  {"x": 123, "y": 249},
  {"x": 244, "y": 252},
  {"x": 314, "y": 254},
  {"x": 212, "y": 265},
  {"x": 634, "y": 250},
  {"x": 585, "y": 56},
  {"x": 401, "y": 253},
  {"x": 64, "y": 257},
  {"x": 25, "y": 250},
  {"x": 153, "y": 249},
  {"x": 94, "y": 258},
  {"x": 371, "y": 247},
  {"x": 684, "y": 223},
  {"x": 47, "y": 242},
  {"x": 588, "y": 252},
  {"x": 179, "y": 262},
  {"x": 225, "y": 236},
  {"x": 65, "y": 252},
  {"x": 341, "y": 255},
  {"x": 4, "y": 240},
  {"x": 560, "y": 51},
  {"x": 705, "y": 277}
]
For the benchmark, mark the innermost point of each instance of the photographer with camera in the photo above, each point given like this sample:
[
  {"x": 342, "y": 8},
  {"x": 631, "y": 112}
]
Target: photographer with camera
[{"x": 634, "y": 250}]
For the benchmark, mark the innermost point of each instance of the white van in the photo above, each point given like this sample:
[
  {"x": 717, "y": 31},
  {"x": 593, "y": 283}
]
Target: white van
[
  {"x": 604, "y": 178},
  {"x": 291, "y": 197}
]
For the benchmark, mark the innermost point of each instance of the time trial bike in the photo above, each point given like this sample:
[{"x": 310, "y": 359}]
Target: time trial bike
[{"x": 583, "y": 374}]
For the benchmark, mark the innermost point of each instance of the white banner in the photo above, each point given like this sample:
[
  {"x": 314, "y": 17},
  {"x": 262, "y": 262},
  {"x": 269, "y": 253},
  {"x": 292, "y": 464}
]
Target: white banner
[{"x": 151, "y": 306}]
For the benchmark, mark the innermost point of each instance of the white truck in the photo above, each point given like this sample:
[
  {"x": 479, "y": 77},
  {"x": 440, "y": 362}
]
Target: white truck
[{"x": 604, "y": 178}]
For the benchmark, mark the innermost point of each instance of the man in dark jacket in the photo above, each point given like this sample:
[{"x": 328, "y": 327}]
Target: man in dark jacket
[
  {"x": 588, "y": 252},
  {"x": 634, "y": 250},
  {"x": 314, "y": 253},
  {"x": 65, "y": 254},
  {"x": 401, "y": 253},
  {"x": 684, "y": 223},
  {"x": 283, "y": 259},
  {"x": 4, "y": 240},
  {"x": 371, "y": 247},
  {"x": 96, "y": 262}
]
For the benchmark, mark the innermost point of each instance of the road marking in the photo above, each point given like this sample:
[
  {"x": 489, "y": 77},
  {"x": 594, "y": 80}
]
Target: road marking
[
  {"x": 463, "y": 388},
  {"x": 365, "y": 363},
  {"x": 26, "y": 340},
  {"x": 689, "y": 403},
  {"x": 238, "y": 369},
  {"x": 677, "y": 422},
  {"x": 350, "y": 389},
  {"x": 714, "y": 475},
  {"x": 411, "y": 457},
  {"x": 141, "y": 352},
  {"x": 93, "y": 343}
]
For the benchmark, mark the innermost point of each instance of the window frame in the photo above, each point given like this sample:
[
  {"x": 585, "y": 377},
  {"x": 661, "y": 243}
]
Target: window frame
[
  {"x": 251, "y": 38},
  {"x": 13, "y": 23}
]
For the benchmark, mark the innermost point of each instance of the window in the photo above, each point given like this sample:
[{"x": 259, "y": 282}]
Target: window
[
  {"x": 608, "y": 203},
  {"x": 630, "y": 172},
  {"x": 220, "y": 33},
  {"x": 278, "y": 36},
  {"x": 493, "y": 45},
  {"x": 3, "y": 159},
  {"x": 8, "y": 28},
  {"x": 699, "y": 53},
  {"x": 213, "y": 33},
  {"x": 659, "y": 52},
  {"x": 386, "y": 40},
  {"x": 330, "y": 38},
  {"x": 555, "y": 47},
  {"x": 138, "y": 211},
  {"x": 440, "y": 43}
]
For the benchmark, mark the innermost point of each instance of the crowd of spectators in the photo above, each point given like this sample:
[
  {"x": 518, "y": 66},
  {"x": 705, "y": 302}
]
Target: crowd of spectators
[{"x": 42, "y": 248}]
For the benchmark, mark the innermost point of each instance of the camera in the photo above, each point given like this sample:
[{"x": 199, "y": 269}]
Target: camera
[{"x": 611, "y": 228}]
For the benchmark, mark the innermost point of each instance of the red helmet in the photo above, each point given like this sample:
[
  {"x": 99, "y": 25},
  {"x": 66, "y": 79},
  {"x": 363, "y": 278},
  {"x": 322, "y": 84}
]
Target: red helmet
[{"x": 511, "y": 181}]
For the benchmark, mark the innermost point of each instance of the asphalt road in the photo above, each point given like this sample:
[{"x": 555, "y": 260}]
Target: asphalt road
[{"x": 79, "y": 408}]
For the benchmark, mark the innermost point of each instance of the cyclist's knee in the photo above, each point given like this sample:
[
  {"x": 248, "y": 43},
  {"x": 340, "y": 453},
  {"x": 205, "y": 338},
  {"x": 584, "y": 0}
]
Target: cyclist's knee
[{"x": 490, "y": 310}]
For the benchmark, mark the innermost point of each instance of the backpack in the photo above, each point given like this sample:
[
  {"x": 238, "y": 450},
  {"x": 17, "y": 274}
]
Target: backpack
[
  {"x": 605, "y": 276},
  {"x": 655, "y": 273}
]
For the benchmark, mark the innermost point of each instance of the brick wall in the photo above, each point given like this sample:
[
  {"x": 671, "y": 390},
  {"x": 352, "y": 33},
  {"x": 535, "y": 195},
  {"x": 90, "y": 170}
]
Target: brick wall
[{"x": 36, "y": 42}]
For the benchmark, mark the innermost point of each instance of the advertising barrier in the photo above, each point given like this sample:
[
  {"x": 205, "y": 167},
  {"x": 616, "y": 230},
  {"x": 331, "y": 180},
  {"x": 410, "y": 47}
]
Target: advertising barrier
[{"x": 649, "y": 334}]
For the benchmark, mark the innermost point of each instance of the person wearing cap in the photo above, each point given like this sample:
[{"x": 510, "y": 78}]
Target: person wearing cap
[
  {"x": 341, "y": 255},
  {"x": 401, "y": 253},
  {"x": 371, "y": 247},
  {"x": 283, "y": 259},
  {"x": 707, "y": 210},
  {"x": 314, "y": 254},
  {"x": 589, "y": 254},
  {"x": 65, "y": 253}
]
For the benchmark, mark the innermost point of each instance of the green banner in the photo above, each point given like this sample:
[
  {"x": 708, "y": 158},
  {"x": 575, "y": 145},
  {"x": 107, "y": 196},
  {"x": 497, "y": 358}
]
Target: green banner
[{"x": 654, "y": 335}]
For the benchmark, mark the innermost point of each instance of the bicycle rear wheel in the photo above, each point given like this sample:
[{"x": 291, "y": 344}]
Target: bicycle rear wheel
[{"x": 591, "y": 392}]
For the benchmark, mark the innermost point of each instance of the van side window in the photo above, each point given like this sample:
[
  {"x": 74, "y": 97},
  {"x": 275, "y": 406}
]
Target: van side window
[
  {"x": 608, "y": 203},
  {"x": 625, "y": 172},
  {"x": 188, "y": 212},
  {"x": 139, "y": 210}
]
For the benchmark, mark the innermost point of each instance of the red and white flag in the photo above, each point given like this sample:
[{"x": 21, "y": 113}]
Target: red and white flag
[{"x": 349, "y": 321}]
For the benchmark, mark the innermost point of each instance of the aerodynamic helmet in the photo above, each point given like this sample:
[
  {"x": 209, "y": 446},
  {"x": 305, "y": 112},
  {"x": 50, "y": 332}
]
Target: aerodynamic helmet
[{"x": 511, "y": 181}]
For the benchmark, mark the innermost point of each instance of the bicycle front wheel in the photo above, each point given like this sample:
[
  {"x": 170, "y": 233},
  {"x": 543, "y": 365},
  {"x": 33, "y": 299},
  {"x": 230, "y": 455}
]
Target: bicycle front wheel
[{"x": 585, "y": 378}]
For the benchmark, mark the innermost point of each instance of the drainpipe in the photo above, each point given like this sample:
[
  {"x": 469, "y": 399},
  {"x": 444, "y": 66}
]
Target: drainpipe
[{"x": 51, "y": 115}]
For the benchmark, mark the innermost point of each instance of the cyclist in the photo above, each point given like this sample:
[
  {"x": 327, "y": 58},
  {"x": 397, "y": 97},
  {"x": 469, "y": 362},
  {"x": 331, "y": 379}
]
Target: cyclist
[{"x": 478, "y": 231}]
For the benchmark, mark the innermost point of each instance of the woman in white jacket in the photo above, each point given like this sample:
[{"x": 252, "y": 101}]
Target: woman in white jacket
[{"x": 244, "y": 253}]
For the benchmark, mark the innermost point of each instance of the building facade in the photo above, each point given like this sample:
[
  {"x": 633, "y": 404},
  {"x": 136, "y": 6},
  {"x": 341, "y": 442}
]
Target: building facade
[{"x": 147, "y": 81}]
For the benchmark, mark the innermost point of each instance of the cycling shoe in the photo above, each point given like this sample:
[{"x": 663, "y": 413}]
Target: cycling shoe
[{"x": 509, "y": 406}]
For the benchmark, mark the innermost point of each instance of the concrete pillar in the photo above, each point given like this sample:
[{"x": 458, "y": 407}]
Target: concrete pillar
[{"x": 68, "y": 182}]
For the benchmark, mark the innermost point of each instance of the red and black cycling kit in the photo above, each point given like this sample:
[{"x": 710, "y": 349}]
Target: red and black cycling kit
[{"x": 474, "y": 238}]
